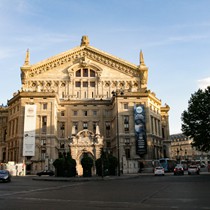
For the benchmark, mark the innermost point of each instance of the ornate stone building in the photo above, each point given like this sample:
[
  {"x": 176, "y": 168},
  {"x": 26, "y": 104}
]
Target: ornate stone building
[
  {"x": 83, "y": 100},
  {"x": 181, "y": 149},
  {"x": 3, "y": 132}
]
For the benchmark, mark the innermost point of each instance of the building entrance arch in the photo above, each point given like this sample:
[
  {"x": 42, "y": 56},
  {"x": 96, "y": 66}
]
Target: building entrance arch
[{"x": 85, "y": 141}]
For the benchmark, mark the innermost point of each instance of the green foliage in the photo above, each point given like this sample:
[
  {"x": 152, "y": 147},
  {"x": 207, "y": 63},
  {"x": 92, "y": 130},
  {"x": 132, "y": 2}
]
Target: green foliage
[
  {"x": 70, "y": 166},
  {"x": 59, "y": 166},
  {"x": 196, "y": 120},
  {"x": 112, "y": 164},
  {"x": 65, "y": 166},
  {"x": 108, "y": 163}
]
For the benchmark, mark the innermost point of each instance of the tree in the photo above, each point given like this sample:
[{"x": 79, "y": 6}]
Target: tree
[
  {"x": 113, "y": 162},
  {"x": 102, "y": 165},
  {"x": 65, "y": 165},
  {"x": 70, "y": 165},
  {"x": 196, "y": 120},
  {"x": 59, "y": 166},
  {"x": 106, "y": 164}
]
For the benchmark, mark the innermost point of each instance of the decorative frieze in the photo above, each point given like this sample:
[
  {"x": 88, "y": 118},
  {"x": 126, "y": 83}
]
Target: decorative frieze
[{"x": 81, "y": 55}]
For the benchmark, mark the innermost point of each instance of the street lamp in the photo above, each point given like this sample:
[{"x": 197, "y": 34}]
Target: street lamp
[{"x": 116, "y": 94}]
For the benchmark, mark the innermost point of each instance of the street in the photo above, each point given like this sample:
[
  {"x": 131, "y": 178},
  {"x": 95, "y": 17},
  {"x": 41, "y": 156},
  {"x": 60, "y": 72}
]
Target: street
[{"x": 142, "y": 192}]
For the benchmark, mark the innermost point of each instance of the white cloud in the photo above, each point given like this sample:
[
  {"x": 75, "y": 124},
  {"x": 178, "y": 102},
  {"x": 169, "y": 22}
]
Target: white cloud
[{"x": 203, "y": 83}]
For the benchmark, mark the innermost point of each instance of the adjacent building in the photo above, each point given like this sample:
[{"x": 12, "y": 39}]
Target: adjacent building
[
  {"x": 181, "y": 149},
  {"x": 83, "y": 100}
]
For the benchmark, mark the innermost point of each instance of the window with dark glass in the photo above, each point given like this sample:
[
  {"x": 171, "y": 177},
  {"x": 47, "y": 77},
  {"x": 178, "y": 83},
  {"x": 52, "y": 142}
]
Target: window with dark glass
[
  {"x": 43, "y": 142},
  {"x": 5, "y": 135},
  {"x": 126, "y": 123},
  {"x": 43, "y": 154},
  {"x": 94, "y": 126},
  {"x": 44, "y": 124},
  {"x": 85, "y": 84},
  {"x": 85, "y": 113},
  {"x": 92, "y": 73},
  {"x": 126, "y": 127},
  {"x": 85, "y": 72},
  {"x": 92, "y": 84},
  {"x": 75, "y": 113},
  {"x": 78, "y": 84},
  {"x": 85, "y": 125},
  {"x": 78, "y": 73},
  {"x": 62, "y": 126},
  {"x": 45, "y": 106},
  {"x": 126, "y": 106},
  {"x": 3, "y": 156},
  {"x": 107, "y": 124},
  {"x": 163, "y": 132},
  {"x": 62, "y": 129},
  {"x": 127, "y": 153}
]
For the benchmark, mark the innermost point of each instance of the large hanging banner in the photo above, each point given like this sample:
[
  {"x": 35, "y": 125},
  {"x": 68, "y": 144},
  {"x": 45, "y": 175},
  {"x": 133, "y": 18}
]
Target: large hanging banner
[
  {"x": 29, "y": 130},
  {"x": 140, "y": 129}
]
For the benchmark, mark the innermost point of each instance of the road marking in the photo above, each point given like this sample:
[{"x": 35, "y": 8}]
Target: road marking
[
  {"x": 110, "y": 204},
  {"x": 40, "y": 189}
]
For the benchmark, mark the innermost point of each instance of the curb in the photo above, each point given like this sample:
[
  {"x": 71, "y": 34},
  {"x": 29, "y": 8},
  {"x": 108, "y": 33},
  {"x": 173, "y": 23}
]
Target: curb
[
  {"x": 96, "y": 178},
  {"x": 85, "y": 179}
]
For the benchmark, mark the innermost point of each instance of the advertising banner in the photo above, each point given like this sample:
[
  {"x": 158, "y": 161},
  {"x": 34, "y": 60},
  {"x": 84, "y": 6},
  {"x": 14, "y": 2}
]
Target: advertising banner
[
  {"x": 140, "y": 129},
  {"x": 29, "y": 130}
]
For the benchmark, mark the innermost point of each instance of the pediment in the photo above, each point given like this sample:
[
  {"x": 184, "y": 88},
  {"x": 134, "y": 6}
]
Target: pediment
[{"x": 80, "y": 56}]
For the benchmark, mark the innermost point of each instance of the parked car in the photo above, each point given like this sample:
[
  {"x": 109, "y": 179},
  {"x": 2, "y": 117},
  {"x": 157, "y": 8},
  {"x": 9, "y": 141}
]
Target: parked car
[
  {"x": 193, "y": 169},
  {"x": 46, "y": 172},
  {"x": 179, "y": 170},
  {"x": 5, "y": 176},
  {"x": 159, "y": 171}
]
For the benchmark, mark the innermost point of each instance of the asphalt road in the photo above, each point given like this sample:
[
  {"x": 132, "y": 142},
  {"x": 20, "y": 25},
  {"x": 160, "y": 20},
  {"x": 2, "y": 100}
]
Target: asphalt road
[{"x": 143, "y": 192}]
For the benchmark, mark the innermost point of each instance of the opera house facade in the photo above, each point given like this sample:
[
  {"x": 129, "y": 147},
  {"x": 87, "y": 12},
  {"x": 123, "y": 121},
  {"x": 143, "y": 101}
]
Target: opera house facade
[{"x": 83, "y": 100}]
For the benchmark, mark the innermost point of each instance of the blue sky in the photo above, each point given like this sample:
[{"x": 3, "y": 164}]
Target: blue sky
[{"x": 174, "y": 36}]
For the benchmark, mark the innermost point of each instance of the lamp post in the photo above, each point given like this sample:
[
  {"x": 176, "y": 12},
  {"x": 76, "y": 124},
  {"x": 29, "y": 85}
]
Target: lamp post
[
  {"x": 95, "y": 141},
  {"x": 116, "y": 94},
  {"x": 102, "y": 162}
]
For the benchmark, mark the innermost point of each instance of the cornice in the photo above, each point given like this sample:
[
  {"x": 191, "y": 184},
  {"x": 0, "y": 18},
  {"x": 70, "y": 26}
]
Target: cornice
[{"x": 30, "y": 94}]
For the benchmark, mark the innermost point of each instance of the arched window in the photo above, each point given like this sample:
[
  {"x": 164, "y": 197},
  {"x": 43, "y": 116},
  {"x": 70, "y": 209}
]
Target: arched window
[
  {"x": 85, "y": 81},
  {"x": 85, "y": 73},
  {"x": 92, "y": 73},
  {"x": 78, "y": 73}
]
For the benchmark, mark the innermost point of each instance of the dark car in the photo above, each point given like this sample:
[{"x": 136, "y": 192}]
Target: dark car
[
  {"x": 5, "y": 176},
  {"x": 179, "y": 170},
  {"x": 46, "y": 172},
  {"x": 193, "y": 169}
]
